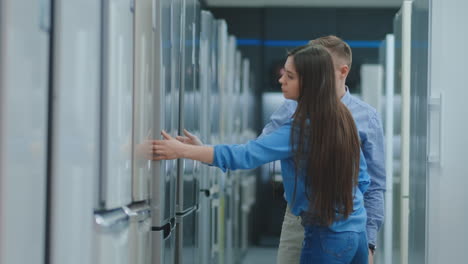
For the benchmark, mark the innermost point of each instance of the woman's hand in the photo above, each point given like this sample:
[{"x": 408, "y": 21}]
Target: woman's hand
[
  {"x": 189, "y": 139},
  {"x": 167, "y": 149}
]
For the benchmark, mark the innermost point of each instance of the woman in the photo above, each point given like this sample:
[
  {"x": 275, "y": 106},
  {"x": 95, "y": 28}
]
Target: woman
[{"x": 324, "y": 172}]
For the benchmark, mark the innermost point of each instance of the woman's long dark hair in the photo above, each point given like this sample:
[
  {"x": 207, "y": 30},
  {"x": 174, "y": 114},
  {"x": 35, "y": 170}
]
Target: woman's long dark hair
[{"x": 324, "y": 138}]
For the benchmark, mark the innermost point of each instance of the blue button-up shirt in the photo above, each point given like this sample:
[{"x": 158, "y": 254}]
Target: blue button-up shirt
[
  {"x": 276, "y": 146},
  {"x": 370, "y": 131}
]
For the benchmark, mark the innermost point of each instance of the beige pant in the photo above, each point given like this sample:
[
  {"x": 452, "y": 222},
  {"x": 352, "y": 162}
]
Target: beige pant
[{"x": 292, "y": 235}]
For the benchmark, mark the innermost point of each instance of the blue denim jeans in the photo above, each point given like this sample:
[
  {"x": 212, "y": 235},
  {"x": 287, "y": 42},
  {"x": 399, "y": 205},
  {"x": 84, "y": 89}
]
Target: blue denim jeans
[{"x": 323, "y": 246}]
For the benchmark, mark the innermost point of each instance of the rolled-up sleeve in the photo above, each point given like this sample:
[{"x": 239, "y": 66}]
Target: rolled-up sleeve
[
  {"x": 373, "y": 148},
  {"x": 275, "y": 146}
]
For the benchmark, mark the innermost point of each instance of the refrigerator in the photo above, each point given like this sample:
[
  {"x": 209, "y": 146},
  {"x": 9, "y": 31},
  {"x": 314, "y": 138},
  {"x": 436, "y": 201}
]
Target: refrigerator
[
  {"x": 75, "y": 131},
  {"x": 206, "y": 85},
  {"x": 214, "y": 138},
  {"x": 219, "y": 136},
  {"x": 248, "y": 178},
  {"x": 389, "y": 111},
  {"x": 228, "y": 128},
  {"x": 438, "y": 143},
  {"x": 143, "y": 130},
  {"x": 116, "y": 121},
  {"x": 238, "y": 176},
  {"x": 24, "y": 98},
  {"x": 402, "y": 82},
  {"x": 165, "y": 101},
  {"x": 117, "y": 99},
  {"x": 188, "y": 173}
]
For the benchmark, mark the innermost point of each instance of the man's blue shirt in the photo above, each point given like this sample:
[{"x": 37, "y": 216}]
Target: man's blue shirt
[
  {"x": 276, "y": 146},
  {"x": 370, "y": 131}
]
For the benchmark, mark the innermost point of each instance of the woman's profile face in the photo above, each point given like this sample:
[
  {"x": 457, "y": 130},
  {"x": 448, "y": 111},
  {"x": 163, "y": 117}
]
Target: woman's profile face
[{"x": 290, "y": 80}]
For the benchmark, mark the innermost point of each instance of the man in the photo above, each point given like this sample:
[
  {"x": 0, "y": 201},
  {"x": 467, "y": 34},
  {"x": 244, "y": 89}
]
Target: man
[{"x": 370, "y": 131}]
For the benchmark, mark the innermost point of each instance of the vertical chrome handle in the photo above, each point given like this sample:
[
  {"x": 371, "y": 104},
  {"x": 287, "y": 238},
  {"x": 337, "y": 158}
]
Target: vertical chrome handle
[
  {"x": 44, "y": 15},
  {"x": 435, "y": 131}
]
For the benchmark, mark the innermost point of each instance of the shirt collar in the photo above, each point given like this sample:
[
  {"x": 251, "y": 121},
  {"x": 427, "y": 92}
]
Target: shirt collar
[{"x": 346, "y": 97}]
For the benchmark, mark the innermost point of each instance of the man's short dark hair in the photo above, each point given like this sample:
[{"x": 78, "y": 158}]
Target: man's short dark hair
[{"x": 336, "y": 46}]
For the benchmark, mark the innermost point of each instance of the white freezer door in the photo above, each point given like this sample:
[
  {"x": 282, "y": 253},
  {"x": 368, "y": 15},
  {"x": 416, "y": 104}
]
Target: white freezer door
[
  {"x": 117, "y": 99},
  {"x": 24, "y": 88},
  {"x": 76, "y": 110}
]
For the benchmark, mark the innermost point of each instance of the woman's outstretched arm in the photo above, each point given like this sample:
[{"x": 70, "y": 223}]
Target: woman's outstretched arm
[
  {"x": 252, "y": 154},
  {"x": 170, "y": 148}
]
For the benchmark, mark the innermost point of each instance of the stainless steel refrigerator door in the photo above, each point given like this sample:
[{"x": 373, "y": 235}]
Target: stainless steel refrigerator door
[
  {"x": 75, "y": 129},
  {"x": 205, "y": 81},
  {"x": 140, "y": 248},
  {"x": 24, "y": 88},
  {"x": 213, "y": 93},
  {"x": 187, "y": 233},
  {"x": 143, "y": 103},
  {"x": 176, "y": 65},
  {"x": 163, "y": 246},
  {"x": 223, "y": 77},
  {"x": 237, "y": 110},
  {"x": 163, "y": 190},
  {"x": 402, "y": 27},
  {"x": 165, "y": 172},
  {"x": 228, "y": 92},
  {"x": 187, "y": 180},
  {"x": 112, "y": 237},
  {"x": 117, "y": 96},
  {"x": 176, "y": 75}
]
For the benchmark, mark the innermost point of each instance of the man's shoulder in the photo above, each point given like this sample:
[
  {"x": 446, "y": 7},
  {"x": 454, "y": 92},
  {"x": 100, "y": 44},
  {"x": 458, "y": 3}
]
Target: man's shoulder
[{"x": 359, "y": 107}]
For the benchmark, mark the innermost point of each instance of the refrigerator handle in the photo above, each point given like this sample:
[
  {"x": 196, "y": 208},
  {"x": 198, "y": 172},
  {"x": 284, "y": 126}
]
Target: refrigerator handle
[
  {"x": 187, "y": 212},
  {"x": 212, "y": 193},
  {"x": 214, "y": 226},
  {"x": 166, "y": 229},
  {"x": 206, "y": 192}
]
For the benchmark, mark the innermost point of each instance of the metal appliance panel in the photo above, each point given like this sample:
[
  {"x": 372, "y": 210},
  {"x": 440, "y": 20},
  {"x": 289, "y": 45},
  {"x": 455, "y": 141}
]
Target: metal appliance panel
[
  {"x": 140, "y": 247},
  {"x": 112, "y": 237},
  {"x": 188, "y": 232},
  {"x": 186, "y": 193},
  {"x": 219, "y": 136},
  {"x": 143, "y": 108},
  {"x": 402, "y": 27},
  {"x": 24, "y": 90},
  {"x": 205, "y": 84},
  {"x": 213, "y": 114},
  {"x": 419, "y": 171},
  {"x": 228, "y": 92},
  {"x": 176, "y": 82},
  {"x": 162, "y": 202},
  {"x": 164, "y": 173},
  {"x": 163, "y": 248},
  {"x": 222, "y": 71},
  {"x": 237, "y": 110},
  {"x": 176, "y": 65},
  {"x": 396, "y": 254},
  {"x": 446, "y": 141},
  {"x": 75, "y": 124},
  {"x": 117, "y": 96},
  {"x": 387, "y": 58}
]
